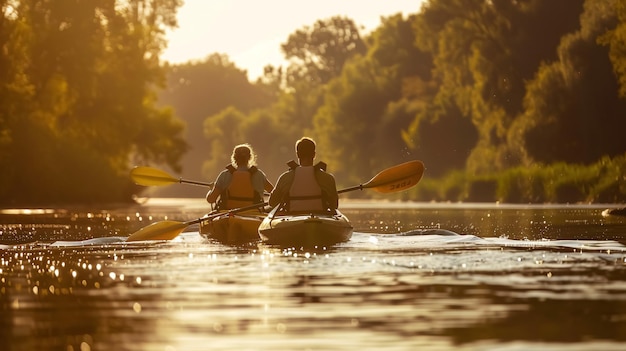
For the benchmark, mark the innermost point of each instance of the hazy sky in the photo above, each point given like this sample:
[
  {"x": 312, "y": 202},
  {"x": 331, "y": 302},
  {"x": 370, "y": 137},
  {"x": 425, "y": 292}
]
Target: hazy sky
[{"x": 250, "y": 31}]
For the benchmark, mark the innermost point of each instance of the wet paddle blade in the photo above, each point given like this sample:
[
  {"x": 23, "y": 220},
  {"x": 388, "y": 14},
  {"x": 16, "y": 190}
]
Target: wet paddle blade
[
  {"x": 148, "y": 176},
  {"x": 165, "y": 230},
  {"x": 398, "y": 178}
]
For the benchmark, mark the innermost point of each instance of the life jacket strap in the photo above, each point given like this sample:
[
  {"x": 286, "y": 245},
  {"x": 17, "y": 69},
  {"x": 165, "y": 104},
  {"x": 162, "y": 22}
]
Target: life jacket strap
[
  {"x": 318, "y": 166},
  {"x": 232, "y": 169}
]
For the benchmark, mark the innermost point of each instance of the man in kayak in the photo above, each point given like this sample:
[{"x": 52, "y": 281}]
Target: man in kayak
[
  {"x": 241, "y": 183},
  {"x": 305, "y": 187}
]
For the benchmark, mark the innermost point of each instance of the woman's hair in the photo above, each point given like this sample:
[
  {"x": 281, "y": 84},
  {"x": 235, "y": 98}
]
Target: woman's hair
[{"x": 243, "y": 155}]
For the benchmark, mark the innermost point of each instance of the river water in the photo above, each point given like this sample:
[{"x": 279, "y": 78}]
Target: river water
[{"x": 414, "y": 276}]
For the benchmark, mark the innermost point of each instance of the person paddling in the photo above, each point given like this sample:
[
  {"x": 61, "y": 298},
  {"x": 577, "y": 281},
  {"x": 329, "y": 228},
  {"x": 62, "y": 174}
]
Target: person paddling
[
  {"x": 241, "y": 183},
  {"x": 305, "y": 187}
]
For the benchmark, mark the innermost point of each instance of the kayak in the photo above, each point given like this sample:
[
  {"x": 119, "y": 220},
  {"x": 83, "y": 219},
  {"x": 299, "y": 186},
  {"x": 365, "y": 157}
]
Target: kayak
[
  {"x": 305, "y": 230},
  {"x": 233, "y": 228}
]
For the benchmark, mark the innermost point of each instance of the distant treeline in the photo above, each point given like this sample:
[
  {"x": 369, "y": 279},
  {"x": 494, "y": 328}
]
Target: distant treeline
[
  {"x": 514, "y": 101},
  {"x": 503, "y": 100}
]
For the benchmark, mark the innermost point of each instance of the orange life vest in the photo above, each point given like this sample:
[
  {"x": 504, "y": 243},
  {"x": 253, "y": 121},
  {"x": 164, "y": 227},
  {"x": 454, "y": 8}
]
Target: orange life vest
[{"x": 240, "y": 192}]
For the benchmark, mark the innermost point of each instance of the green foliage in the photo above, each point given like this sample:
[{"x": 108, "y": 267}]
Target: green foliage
[
  {"x": 352, "y": 107},
  {"x": 199, "y": 90},
  {"x": 609, "y": 186},
  {"x": 573, "y": 113},
  {"x": 603, "y": 181},
  {"x": 322, "y": 50},
  {"x": 615, "y": 39},
  {"x": 74, "y": 117},
  {"x": 483, "y": 52},
  {"x": 318, "y": 54},
  {"x": 521, "y": 184},
  {"x": 500, "y": 99},
  {"x": 365, "y": 104}
]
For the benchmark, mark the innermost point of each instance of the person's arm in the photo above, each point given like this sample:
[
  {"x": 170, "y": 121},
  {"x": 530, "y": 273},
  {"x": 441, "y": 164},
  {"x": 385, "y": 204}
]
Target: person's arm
[
  {"x": 267, "y": 186},
  {"x": 214, "y": 194},
  {"x": 281, "y": 189},
  {"x": 333, "y": 196},
  {"x": 329, "y": 188}
]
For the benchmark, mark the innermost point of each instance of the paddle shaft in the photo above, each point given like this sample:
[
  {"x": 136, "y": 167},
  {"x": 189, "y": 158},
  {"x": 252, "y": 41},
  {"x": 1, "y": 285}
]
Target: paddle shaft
[
  {"x": 358, "y": 187},
  {"x": 235, "y": 210},
  {"x": 239, "y": 209},
  {"x": 193, "y": 182},
  {"x": 148, "y": 176}
]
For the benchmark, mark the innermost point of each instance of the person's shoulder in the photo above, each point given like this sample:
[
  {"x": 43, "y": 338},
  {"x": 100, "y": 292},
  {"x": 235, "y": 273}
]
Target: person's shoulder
[
  {"x": 259, "y": 173},
  {"x": 321, "y": 170},
  {"x": 258, "y": 170},
  {"x": 286, "y": 175},
  {"x": 224, "y": 172},
  {"x": 327, "y": 175}
]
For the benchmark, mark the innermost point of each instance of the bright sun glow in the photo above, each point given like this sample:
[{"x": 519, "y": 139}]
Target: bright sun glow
[{"x": 250, "y": 31}]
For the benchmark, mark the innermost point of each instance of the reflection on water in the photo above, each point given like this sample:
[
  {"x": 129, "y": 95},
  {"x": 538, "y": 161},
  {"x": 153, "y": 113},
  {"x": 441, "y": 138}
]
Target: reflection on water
[{"x": 427, "y": 277}]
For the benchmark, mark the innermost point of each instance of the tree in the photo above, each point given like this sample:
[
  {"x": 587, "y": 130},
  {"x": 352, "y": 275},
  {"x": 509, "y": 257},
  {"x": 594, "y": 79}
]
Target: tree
[
  {"x": 322, "y": 50},
  {"x": 573, "y": 111},
  {"x": 317, "y": 54},
  {"x": 81, "y": 112},
  {"x": 477, "y": 49},
  {"x": 615, "y": 39},
  {"x": 359, "y": 125},
  {"x": 409, "y": 127},
  {"x": 199, "y": 90},
  {"x": 223, "y": 132}
]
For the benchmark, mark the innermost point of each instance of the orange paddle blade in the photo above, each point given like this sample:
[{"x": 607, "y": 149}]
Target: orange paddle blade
[
  {"x": 165, "y": 230},
  {"x": 398, "y": 178}
]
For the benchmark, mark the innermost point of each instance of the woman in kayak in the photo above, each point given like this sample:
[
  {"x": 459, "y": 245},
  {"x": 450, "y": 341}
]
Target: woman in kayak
[
  {"x": 305, "y": 187},
  {"x": 241, "y": 183}
]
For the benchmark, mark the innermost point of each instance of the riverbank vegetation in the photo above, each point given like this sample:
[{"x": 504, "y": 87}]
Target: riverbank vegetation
[
  {"x": 601, "y": 182},
  {"x": 502, "y": 100}
]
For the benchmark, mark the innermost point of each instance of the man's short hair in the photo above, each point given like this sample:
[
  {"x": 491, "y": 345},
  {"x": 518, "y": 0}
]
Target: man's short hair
[{"x": 305, "y": 148}]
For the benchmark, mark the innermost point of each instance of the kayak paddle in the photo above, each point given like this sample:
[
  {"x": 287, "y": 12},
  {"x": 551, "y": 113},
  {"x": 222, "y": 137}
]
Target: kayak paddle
[
  {"x": 390, "y": 180},
  {"x": 393, "y": 179},
  {"x": 148, "y": 176},
  {"x": 168, "y": 230}
]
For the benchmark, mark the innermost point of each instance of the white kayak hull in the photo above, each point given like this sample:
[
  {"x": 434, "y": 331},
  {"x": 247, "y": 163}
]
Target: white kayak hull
[{"x": 306, "y": 230}]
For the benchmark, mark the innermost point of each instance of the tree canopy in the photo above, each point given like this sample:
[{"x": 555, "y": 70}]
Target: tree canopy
[
  {"x": 79, "y": 82},
  {"x": 475, "y": 86},
  {"x": 479, "y": 85}
]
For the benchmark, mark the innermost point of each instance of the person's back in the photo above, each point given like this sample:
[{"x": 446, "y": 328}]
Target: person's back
[
  {"x": 305, "y": 194},
  {"x": 241, "y": 184},
  {"x": 305, "y": 187},
  {"x": 240, "y": 192}
]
